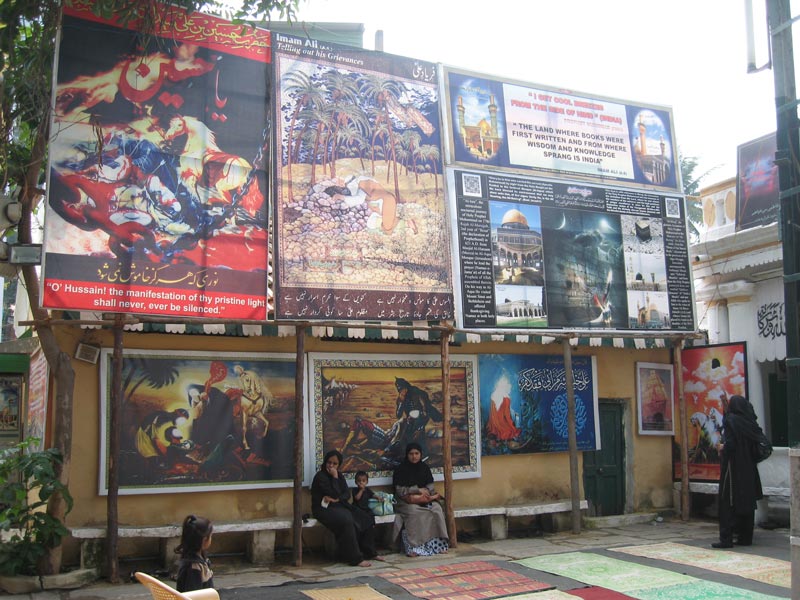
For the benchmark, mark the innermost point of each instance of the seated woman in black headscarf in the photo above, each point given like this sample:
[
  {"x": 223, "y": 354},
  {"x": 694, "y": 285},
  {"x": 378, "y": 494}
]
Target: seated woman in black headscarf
[
  {"x": 419, "y": 519},
  {"x": 330, "y": 505}
]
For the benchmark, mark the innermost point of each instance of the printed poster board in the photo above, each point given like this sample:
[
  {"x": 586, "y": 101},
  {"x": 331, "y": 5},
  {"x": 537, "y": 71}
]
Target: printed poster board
[
  {"x": 553, "y": 132},
  {"x": 360, "y": 211},
  {"x": 538, "y": 253},
  {"x": 157, "y": 191},
  {"x": 757, "y": 183}
]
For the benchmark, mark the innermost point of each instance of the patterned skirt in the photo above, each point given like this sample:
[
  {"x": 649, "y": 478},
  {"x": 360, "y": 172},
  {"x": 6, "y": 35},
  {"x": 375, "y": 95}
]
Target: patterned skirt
[{"x": 429, "y": 548}]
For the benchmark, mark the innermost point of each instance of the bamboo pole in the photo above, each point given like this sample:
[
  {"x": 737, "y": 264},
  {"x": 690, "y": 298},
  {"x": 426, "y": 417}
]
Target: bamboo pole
[
  {"x": 114, "y": 434},
  {"x": 678, "y": 363},
  {"x": 572, "y": 438},
  {"x": 297, "y": 496},
  {"x": 446, "y": 442}
]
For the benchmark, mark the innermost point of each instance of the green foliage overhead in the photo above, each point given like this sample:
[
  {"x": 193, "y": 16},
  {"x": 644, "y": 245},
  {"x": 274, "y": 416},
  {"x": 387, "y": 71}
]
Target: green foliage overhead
[{"x": 691, "y": 187}]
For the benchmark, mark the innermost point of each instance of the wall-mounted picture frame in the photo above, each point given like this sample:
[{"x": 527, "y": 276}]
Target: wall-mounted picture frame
[
  {"x": 655, "y": 393},
  {"x": 369, "y": 408},
  {"x": 201, "y": 421}
]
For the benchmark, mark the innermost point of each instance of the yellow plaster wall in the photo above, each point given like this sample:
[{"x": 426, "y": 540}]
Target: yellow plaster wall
[{"x": 504, "y": 479}]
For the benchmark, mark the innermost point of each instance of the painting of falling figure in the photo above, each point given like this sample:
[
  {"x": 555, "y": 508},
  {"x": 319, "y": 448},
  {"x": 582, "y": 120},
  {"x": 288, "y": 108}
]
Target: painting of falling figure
[
  {"x": 196, "y": 421},
  {"x": 523, "y": 403},
  {"x": 371, "y": 409},
  {"x": 360, "y": 202},
  {"x": 158, "y": 164}
]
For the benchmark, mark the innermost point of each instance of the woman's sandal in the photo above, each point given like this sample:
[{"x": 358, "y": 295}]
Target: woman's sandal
[
  {"x": 412, "y": 554},
  {"x": 379, "y": 558}
]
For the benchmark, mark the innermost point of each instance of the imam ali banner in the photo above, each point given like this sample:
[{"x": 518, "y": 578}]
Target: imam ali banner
[
  {"x": 535, "y": 253},
  {"x": 553, "y": 132},
  {"x": 360, "y": 209},
  {"x": 523, "y": 401},
  {"x": 157, "y": 184}
]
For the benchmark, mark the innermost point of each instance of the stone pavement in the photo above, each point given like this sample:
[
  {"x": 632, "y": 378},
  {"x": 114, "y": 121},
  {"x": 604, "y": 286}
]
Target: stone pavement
[{"x": 240, "y": 581}]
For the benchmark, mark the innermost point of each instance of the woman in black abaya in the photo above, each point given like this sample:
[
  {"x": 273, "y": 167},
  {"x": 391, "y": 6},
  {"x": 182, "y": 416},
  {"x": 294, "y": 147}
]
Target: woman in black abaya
[
  {"x": 739, "y": 482},
  {"x": 330, "y": 505}
]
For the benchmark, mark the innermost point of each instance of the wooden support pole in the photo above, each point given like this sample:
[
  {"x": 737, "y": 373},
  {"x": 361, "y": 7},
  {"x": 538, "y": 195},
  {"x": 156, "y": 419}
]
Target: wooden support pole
[
  {"x": 297, "y": 497},
  {"x": 572, "y": 438},
  {"x": 447, "y": 442},
  {"x": 114, "y": 435},
  {"x": 677, "y": 360}
]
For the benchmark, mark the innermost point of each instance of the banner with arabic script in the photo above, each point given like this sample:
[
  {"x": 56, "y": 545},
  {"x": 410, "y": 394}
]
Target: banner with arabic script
[
  {"x": 555, "y": 132},
  {"x": 158, "y": 170},
  {"x": 524, "y": 403},
  {"x": 360, "y": 212}
]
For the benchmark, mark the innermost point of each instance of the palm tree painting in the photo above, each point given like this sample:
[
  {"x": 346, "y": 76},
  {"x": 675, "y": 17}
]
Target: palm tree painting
[{"x": 359, "y": 172}]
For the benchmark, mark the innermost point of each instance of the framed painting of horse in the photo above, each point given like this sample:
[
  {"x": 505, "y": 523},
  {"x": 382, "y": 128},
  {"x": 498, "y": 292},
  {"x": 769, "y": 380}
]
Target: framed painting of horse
[
  {"x": 197, "y": 421},
  {"x": 711, "y": 375}
]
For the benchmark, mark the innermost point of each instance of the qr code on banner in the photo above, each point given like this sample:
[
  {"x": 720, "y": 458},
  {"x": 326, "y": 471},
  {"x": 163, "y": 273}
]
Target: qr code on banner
[
  {"x": 673, "y": 206},
  {"x": 471, "y": 185}
]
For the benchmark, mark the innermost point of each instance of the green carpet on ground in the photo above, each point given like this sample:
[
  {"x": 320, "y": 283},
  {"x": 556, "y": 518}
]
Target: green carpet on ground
[
  {"x": 611, "y": 573},
  {"x": 758, "y": 568},
  {"x": 700, "y": 590}
]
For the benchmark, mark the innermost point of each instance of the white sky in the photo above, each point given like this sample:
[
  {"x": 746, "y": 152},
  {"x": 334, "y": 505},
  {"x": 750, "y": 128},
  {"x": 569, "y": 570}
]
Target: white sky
[{"x": 686, "y": 54}]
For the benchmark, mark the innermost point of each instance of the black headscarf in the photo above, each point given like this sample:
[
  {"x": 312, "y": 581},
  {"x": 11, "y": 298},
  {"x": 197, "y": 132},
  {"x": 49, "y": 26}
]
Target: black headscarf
[
  {"x": 742, "y": 418},
  {"x": 408, "y": 474},
  {"x": 328, "y": 454}
]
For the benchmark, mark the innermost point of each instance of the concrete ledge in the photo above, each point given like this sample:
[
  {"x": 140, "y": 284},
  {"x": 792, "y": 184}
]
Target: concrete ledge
[
  {"x": 701, "y": 487},
  {"x": 619, "y": 520},
  {"x": 261, "y": 532},
  {"x": 527, "y": 510}
]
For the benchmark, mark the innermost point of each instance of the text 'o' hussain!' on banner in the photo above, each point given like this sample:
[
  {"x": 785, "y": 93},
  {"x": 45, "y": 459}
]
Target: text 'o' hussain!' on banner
[{"x": 158, "y": 169}]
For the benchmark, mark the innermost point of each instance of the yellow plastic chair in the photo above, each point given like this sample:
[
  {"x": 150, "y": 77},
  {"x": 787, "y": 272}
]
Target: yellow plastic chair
[{"x": 161, "y": 591}]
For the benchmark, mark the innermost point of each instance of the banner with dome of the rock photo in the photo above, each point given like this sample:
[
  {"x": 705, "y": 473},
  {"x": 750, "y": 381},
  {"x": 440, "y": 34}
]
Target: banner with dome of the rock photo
[
  {"x": 534, "y": 253},
  {"x": 360, "y": 210},
  {"x": 157, "y": 190}
]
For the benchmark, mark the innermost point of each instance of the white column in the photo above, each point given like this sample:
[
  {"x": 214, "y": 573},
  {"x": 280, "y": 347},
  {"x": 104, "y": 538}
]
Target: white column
[{"x": 722, "y": 330}]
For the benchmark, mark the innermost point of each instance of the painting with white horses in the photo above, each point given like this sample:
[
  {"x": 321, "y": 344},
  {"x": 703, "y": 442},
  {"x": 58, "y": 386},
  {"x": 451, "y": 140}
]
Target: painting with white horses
[
  {"x": 158, "y": 169},
  {"x": 711, "y": 375}
]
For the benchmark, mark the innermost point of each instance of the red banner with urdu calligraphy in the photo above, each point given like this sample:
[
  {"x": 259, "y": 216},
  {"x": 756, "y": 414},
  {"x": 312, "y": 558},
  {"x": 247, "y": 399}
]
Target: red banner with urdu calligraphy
[{"x": 158, "y": 170}]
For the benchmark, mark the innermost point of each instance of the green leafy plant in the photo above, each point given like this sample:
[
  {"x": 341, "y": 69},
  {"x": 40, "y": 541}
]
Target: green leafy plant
[{"x": 28, "y": 479}]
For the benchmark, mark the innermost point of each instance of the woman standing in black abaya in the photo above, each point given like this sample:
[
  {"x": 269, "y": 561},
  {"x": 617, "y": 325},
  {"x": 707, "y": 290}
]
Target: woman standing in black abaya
[
  {"x": 330, "y": 505},
  {"x": 739, "y": 481}
]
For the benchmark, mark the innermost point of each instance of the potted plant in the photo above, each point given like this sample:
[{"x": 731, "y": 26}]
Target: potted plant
[{"x": 28, "y": 480}]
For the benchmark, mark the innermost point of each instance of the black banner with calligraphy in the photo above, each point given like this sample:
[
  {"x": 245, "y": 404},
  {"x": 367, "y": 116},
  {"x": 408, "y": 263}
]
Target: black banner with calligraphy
[
  {"x": 158, "y": 169},
  {"x": 537, "y": 253},
  {"x": 360, "y": 212}
]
